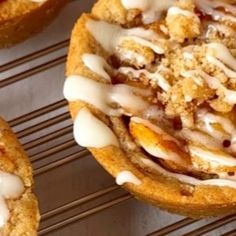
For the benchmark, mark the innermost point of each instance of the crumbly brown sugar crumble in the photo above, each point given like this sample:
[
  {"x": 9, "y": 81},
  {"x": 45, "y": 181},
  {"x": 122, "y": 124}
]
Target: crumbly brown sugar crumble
[{"x": 186, "y": 48}]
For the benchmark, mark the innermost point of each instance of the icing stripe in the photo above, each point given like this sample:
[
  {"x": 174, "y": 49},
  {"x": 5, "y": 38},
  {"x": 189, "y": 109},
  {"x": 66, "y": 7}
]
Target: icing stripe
[
  {"x": 89, "y": 131},
  {"x": 187, "y": 179},
  {"x": 127, "y": 177}
]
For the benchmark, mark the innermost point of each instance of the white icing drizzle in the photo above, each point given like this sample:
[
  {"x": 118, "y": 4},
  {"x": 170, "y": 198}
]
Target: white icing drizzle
[
  {"x": 208, "y": 119},
  {"x": 129, "y": 97},
  {"x": 91, "y": 132},
  {"x": 230, "y": 73},
  {"x": 127, "y": 177},
  {"x": 188, "y": 55},
  {"x": 225, "y": 175},
  {"x": 179, "y": 11},
  {"x": 187, "y": 179},
  {"x": 208, "y": 7},
  {"x": 213, "y": 83},
  {"x": 164, "y": 29},
  {"x": 164, "y": 69},
  {"x": 207, "y": 127},
  {"x": 199, "y": 138},
  {"x": 188, "y": 98},
  {"x": 230, "y": 96},
  {"x": 157, "y": 77},
  {"x": 154, "y": 113},
  {"x": 161, "y": 153},
  {"x": 112, "y": 35},
  {"x": 5, "y": 214},
  {"x": 102, "y": 96},
  {"x": 88, "y": 90},
  {"x": 212, "y": 157},
  {"x": 97, "y": 64},
  {"x": 217, "y": 3},
  {"x": 133, "y": 56},
  {"x": 109, "y": 35},
  {"x": 151, "y": 9},
  {"x": 221, "y": 52},
  {"x": 144, "y": 42},
  {"x": 221, "y": 28},
  {"x": 11, "y": 186}
]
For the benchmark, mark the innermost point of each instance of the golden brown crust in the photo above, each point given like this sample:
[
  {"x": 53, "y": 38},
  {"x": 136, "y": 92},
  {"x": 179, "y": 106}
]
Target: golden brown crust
[
  {"x": 21, "y": 19},
  {"x": 167, "y": 193},
  {"x": 24, "y": 217}
]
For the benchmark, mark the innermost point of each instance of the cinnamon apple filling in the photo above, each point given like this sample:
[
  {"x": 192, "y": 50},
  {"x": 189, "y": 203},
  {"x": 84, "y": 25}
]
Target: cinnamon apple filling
[{"x": 174, "y": 77}]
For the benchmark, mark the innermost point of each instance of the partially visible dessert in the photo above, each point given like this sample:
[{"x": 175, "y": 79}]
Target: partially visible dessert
[
  {"x": 20, "y": 19},
  {"x": 19, "y": 214},
  {"x": 152, "y": 91}
]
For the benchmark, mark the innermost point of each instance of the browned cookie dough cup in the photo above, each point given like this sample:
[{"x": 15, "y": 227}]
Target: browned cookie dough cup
[
  {"x": 19, "y": 214},
  {"x": 19, "y": 19},
  {"x": 151, "y": 89}
]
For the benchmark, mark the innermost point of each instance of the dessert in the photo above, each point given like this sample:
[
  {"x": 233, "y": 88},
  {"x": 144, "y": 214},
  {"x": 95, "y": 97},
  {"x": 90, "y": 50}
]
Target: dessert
[
  {"x": 151, "y": 90},
  {"x": 19, "y": 213},
  {"x": 19, "y": 19}
]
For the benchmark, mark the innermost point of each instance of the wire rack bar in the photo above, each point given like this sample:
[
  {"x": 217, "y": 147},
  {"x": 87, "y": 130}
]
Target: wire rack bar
[
  {"x": 46, "y": 138},
  {"x": 34, "y": 55},
  {"x": 78, "y": 202},
  {"x": 45, "y": 124},
  {"x": 230, "y": 233},
  {"x": 39, "y": 112},
  {"x": 35, "y": 70},
  {"x": 173, "y": 227},
  {"x": 53, "y": 150},
  {"x": 84, "y": 214},
  {"x": 214, "y": 225},
  {"x": 63, "y": 161}
]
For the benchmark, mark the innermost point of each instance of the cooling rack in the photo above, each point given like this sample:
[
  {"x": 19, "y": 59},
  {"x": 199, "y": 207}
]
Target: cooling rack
[{"x": 77, "y": 197}]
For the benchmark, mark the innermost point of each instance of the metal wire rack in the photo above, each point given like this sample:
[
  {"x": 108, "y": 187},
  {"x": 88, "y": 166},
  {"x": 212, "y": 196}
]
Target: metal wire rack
[{"x": 54, "y": 148}]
